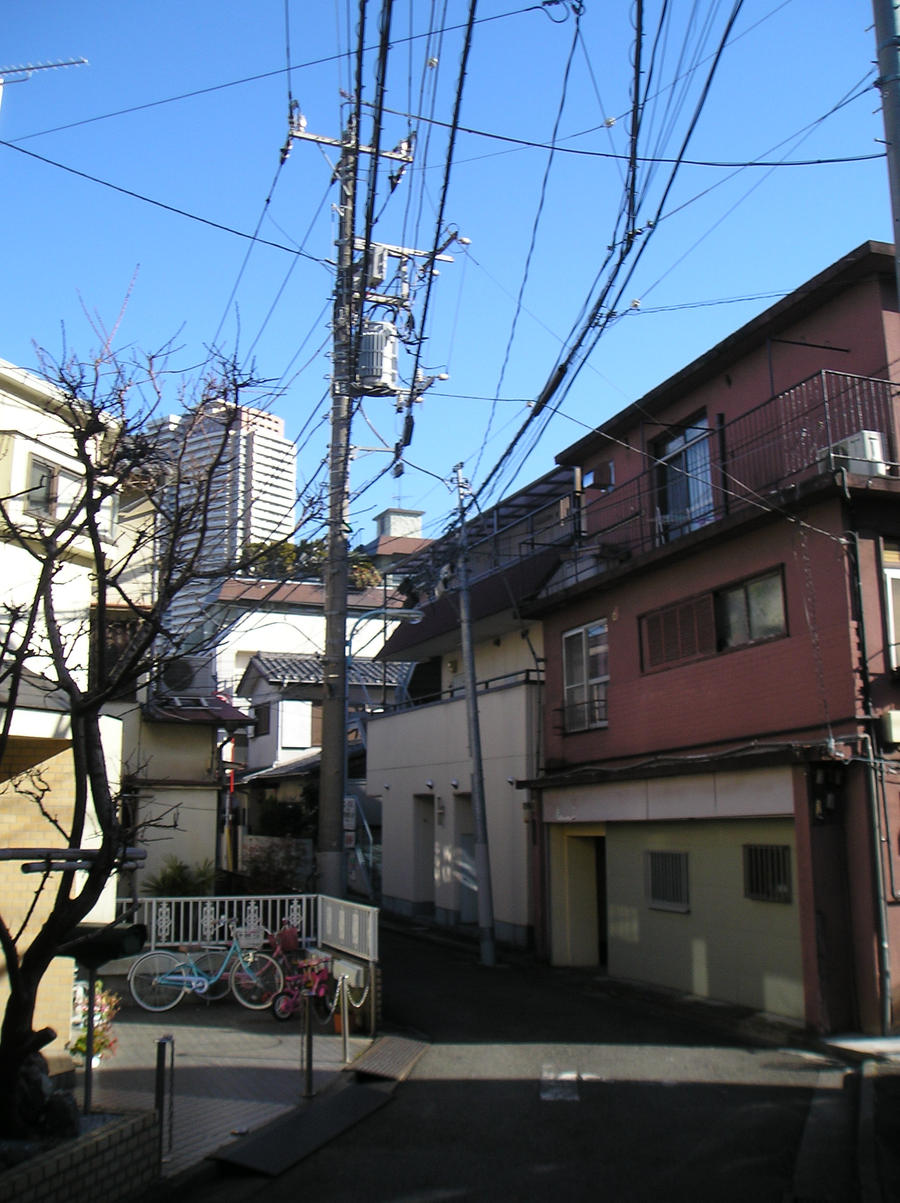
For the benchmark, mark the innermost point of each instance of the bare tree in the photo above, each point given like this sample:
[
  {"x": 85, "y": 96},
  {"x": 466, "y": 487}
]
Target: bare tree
[{"x": 108, "y": 526}]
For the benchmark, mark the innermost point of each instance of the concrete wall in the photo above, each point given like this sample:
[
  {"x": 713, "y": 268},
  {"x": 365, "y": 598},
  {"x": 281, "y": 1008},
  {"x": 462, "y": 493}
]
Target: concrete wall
[
  {"x": 426, "y": 829},
  {"x": 726, "y": 946}
]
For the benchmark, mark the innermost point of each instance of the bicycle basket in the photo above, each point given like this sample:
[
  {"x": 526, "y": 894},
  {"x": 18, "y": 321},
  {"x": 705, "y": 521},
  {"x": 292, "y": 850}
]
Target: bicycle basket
[
  {"x": 289, "y": 939},
  {"x": 250, "y": 937}
]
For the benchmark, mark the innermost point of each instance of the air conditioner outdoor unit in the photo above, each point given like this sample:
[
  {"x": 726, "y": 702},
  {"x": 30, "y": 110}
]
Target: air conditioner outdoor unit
[
  {"x": 189, "y": 676},
  {"x": 861, "y": 454}
]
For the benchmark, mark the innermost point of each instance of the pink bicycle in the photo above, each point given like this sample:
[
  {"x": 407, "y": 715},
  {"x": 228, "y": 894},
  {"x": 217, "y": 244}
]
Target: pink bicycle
[{"x": 309, "y": 979}]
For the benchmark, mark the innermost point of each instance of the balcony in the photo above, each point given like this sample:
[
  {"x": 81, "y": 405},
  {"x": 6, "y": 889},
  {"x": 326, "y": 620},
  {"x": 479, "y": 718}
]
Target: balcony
[{"x": 826, "y": 422}]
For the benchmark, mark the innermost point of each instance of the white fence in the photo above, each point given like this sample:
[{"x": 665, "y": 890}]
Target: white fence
[{"x": 347, "y": 927}]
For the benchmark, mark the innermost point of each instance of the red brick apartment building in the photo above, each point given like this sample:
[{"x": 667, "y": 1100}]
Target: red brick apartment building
[
  {"x": 718, "y": 804},
  {"x": 702, "y": 603}
]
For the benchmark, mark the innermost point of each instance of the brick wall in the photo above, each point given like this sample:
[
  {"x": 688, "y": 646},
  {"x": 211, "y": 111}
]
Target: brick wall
[{"x": 119, "y": 1160}]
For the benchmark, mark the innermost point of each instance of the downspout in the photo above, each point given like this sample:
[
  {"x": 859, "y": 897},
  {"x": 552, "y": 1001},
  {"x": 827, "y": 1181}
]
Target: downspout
[{"x": 884, "y": 952}]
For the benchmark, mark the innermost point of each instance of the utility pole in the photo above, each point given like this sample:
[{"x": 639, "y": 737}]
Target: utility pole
[
  {"x": 347, "y": 334},
  {"x": 482, "y": 852},
  {"x": 887, "y": 37},
  {"x": 334, "y": 667}
]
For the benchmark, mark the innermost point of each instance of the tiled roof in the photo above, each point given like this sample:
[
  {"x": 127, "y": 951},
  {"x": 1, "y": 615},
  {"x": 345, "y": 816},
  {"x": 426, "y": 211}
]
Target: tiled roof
[
  {"x": 290, "y": 669},
  {"x": 194, "y": 710}
]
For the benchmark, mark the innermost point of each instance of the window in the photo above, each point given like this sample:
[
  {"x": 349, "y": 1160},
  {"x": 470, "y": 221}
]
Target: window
[
  {"x": 666, "y": 880},
  {"x": 585, "y": 676},
  {"x": 263, "y": 716},
  {"x": 679, "y": 632},
  {"x": 684, "y": 498},
  {"x": 50, "y": 490},
  {"x": 891, "y": 561},
  {"x": 751, "y": 611},
  {"x": 767, "y": 872},
  {"x": 109, "y": 640}
]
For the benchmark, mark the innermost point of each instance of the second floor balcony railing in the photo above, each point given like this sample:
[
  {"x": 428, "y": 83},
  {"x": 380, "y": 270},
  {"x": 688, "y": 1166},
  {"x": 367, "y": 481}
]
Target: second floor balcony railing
[{"x": 828, "y": 421}]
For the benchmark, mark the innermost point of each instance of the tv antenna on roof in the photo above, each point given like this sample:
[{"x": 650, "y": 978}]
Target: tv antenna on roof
[{"x": 18, "y": 75}]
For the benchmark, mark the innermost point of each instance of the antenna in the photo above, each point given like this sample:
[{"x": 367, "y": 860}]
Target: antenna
[{"x": 18, "y": 75}]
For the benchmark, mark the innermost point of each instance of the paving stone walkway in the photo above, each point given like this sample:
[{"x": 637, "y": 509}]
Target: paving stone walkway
[{"x": 227, "y": 1071}]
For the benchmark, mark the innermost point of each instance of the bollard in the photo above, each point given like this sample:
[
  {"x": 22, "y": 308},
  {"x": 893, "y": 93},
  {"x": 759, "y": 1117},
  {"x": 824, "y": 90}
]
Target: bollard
[
  {"x": 345, "y": 1020},
  {"x": 308, "y": 1090},
  {"x": 160, "y": 1089}
]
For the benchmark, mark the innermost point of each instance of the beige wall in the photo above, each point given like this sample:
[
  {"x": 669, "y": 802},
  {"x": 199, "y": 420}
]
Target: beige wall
[
  {"x": 430, "y": 743},
  {"x": 727, "y": 946},
  {"x": 23, "y": 826}
]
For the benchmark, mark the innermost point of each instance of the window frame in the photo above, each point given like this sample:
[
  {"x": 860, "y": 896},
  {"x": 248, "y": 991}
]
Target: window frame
[
  {"x": 744, "y": 586},
  {"x": 262, "y": 716},
  {"x": 890, "y": 569},
  {"x": 594, "y": 689},
  {"x": 674, "y": 472},
  {"x": 705, "y": 611},
  {"x": 667, "y": 867},
  {"x": 767, "y": 873}
]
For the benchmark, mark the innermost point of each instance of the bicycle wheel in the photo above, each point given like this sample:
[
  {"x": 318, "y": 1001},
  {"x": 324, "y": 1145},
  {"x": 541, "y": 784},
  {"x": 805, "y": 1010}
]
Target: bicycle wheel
[
  {"x": 209, "y": 963},
  {"x": 324, "y": 1001},
  {"x": 255, "y": 980},
  {"x": 283, "y": 1005},
  {"x": 148, "y": 990}
]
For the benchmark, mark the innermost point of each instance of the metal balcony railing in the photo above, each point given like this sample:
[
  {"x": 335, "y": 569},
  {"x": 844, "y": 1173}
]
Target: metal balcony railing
[{"x": 791, "y": 437}]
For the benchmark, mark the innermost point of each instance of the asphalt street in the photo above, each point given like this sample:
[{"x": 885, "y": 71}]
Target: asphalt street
[{"x": 539, "y": 1083}]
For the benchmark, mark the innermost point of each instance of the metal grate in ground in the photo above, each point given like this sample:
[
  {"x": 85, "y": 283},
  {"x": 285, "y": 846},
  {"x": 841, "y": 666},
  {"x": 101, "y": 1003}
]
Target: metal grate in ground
[{"x": 389, "y": 1057}]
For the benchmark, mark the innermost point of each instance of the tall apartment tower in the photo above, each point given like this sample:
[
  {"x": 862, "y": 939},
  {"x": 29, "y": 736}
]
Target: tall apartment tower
[{"x": 252, "y": 468}]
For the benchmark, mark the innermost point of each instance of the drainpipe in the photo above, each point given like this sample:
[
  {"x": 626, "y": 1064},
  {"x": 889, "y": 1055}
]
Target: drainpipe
[
  {"x": 878, "y": 839},
  {"x": 884, "y": 952}
]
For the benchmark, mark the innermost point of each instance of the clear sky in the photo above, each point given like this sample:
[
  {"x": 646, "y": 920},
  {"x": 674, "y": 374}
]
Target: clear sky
[{"x": 152, "y": 176}]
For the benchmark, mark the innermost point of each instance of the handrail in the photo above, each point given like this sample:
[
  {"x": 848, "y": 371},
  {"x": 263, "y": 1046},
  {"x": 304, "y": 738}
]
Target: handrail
[
  {"x": 524, "y": 676},
  {"x": 348, "y": 927}
]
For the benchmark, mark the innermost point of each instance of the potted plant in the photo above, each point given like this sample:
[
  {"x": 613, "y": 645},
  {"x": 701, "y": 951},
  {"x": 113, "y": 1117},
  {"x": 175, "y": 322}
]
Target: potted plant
[{"x": 106, "y": 1007}]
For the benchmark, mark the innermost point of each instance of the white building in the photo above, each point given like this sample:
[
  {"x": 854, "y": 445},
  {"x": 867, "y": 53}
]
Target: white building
[{"x": 40, "y": 478}]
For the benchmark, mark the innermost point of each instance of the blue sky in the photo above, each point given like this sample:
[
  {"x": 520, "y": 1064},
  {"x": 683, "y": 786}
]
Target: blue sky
[{"x": 180, "y": 115}]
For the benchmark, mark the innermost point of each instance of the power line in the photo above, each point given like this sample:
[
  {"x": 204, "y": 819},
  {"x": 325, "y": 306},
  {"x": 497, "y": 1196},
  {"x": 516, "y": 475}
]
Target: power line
[{"x": 216, "y": 225}]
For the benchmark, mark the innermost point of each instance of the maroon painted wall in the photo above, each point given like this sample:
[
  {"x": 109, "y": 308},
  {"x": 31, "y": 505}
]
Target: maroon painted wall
[{"x": 754, "y": 692}]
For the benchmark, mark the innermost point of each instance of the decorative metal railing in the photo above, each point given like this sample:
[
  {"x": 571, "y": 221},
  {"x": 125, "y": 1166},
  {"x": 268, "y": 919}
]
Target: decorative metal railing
[{"x": 347, "y": 927}]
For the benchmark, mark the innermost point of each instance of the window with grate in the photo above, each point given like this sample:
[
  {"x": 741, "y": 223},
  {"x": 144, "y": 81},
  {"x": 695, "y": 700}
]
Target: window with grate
[
  {"x": 767, "y": 872},
  {"x": 666, "y": 880}
]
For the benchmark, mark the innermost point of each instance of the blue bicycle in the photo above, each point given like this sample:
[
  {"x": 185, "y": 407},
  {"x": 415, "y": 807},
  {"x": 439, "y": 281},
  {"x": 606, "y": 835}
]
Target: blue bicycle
[{"x": 159, "y": 980}]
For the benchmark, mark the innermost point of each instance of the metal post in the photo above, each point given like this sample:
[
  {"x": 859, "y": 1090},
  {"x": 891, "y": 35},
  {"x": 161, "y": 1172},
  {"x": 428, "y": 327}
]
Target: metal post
[
  {"x": 345, "y": 1021},
  {"x": 89, "y": 1040},
  {"x": 482, "y": 854},
  {"x": 308, "y": 1090},
  {"x": 160, "y": 1089}
]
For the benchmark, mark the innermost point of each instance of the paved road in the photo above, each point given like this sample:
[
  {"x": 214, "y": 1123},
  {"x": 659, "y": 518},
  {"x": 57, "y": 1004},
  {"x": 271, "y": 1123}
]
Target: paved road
[{"x": 541, "y": 1084}]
